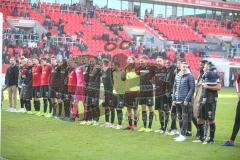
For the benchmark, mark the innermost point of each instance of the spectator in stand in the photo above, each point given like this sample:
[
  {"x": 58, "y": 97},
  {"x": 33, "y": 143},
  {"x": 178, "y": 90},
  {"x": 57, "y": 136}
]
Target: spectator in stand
[
  {"x": 26, "y": 52},
  {"x": 15, "y": 11},
  {"x": 182, "y": 55},
  {"x": 6, "y": 60},
  {"x": 61, "y": 26},
  {"x": 133, "y": 48},
  {"x": 140, "y": 49},
  {"x": 21, "y": 14},
  {"x": 164, "y": 54},
  {"x": 27, "y": 14}
]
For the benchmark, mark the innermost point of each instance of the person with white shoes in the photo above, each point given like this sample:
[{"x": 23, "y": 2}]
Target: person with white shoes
[
  {"x": 146, "y": 92},
  {"x": 119, "y": 90},
  {"x": 183, "y": 90},
  {"x": 161, "y": 104},
  {"x": 22, "y": 63},
  {"x": 108, "y": 93},
  {"x": 11, "y": 82}
]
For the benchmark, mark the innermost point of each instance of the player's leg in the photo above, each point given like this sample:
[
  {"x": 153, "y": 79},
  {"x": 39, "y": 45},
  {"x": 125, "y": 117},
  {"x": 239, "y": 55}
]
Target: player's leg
[
  {"x": 236, "y": 127},
  {"x": 105, "y": 104},
  {"x": 236, "y": 123},
  {"x": 44, "y": 93},
  {"x": 166, "y": 115},
  {"x": 200, "y": 123},
  {"x": 53, "y": 96},
  {"x": 22, "y": 101},
  {"x": 35, "y": 99},
  {"x": 149, "y": 104},
  {"x": 211, "y": 120},
  {"x": 27, "y": 96},
  {"x": 37, "y": 104},
  {"x": 166, "y": 111},
  {"x": 95, "y": 108},
  {"x": 67, "y": 106},
  {"x": 112, "y": 110},
  {"x": 135, "y": 110},
  {"x": 28, "y": 105},
  {"x": 159, "y": 107},
  {"x": 144, "y": 115},
  {"x": 118, "y": 101},
  {"x": 151, "y": 115},
  {"x": 128, "y": 102},
  {"x": 60, "y": 106},
  {"x": 130, "y": 118}
]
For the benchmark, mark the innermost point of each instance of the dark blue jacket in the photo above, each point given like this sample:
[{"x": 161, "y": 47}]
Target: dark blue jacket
[{"x": 184, "y": 87}]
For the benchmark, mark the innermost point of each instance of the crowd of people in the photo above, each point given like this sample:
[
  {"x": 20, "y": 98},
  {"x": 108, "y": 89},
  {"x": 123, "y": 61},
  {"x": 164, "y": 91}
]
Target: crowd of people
[{"x": 127, "y": 82}]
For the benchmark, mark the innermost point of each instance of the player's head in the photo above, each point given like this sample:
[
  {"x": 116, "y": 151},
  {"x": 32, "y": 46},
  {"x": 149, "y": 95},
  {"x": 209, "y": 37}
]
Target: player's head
[
  {"x": 23, "y": 62},
  {"x": 30, "y": 62},
  {"x": 64, "y": 63},
  {"x": 53, "y": 60},
  {"x": 131, "y": 60},
  {"x": 206, "y": 67},
  {"x": 159, "y": 61},
  {"x": 105, "y": 62},
  {"x": 12, "y": 61},
  {"x": 80, "y": 60},
  {"x": 35, "y": 61},
  {"x": 116, "y": 65},
  {"x": 72, "y": 63},
  {"x": 144, "y": 59},
  {"x": 201, "y": 64},
  {"x": 43, "y": 61},
  {"x": 92, "y": 61},
  {"x": 168, "y": 63}
]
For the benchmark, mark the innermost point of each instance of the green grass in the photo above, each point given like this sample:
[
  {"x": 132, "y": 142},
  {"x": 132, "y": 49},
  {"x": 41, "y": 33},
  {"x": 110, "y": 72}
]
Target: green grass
[{"x": 29, "y": 137}]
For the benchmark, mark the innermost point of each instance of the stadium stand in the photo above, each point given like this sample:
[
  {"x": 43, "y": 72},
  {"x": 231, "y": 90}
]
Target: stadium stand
[
  {"x": 94, "y": 33},
  {"x": 124, "y": 18},
  {"x": 207, "y": 26},
  {"x": 173, "y": 29},
  {"x": 106, "y": 25}
]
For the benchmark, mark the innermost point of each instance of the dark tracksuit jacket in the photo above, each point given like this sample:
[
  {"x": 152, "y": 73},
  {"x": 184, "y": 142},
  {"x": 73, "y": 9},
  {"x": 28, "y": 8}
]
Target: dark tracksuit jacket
[
  {"x": 26, "y": 92},
  {"x": 11, "y": 77}
]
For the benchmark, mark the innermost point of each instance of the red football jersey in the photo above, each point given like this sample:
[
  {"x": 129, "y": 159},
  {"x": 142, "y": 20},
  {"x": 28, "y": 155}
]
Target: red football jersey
[
  {"x": 36, "y": 75},
  {"x": 72, "y": 80},
  {"x": 46, "y": 75}
]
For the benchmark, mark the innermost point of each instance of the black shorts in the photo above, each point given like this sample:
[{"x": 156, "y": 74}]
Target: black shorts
[
  {"x": 108, "y": 99},
  {"x": 68, "y": 96},
  {"x": 207, "y": 111},
  {"x": 37, "y": 92},
  {"x": 60, "y": 95},
  {"x": 45, "y": 91},
  {"x": 131, "y": 99},
  {"x": 161, "y": 103},
  {"x": 146, "y": 91},
  {"x": 146, "y": 101},
  {"x": 91, "y": 101},
  {"x": 118, "y": 101},
  {"x": 53, "y": 92}
]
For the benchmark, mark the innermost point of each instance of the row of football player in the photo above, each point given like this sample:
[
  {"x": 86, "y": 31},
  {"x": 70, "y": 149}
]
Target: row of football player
[{"x": 65, "y": 83}]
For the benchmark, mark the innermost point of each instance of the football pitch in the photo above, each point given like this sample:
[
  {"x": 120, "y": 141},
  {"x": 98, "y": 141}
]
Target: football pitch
[{"x": 29, "y": 137}]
